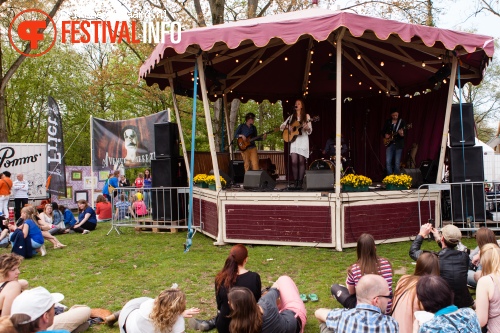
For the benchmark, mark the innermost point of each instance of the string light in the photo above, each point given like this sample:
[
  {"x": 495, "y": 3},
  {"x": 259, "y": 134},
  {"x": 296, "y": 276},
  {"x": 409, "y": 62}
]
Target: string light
[
  {"x": 370, "y": 88},
  {"x": 312, "y": 62},
  {"x": 423, "y": 63},
  {"x": 329, "y": 54},
  {"x": 310, "y": 74},
  {"x": 350, "y": 75},
  {"x": 286, "y": 58},
  {"x": 312, "y": 52},
  {"x": 359, "y": 56},
  {"x": 359, "y": 82},
  {"x": 444, "y": 81},
  {"x": 382, "y": 64},
  {"x": 260, "y": 61}
]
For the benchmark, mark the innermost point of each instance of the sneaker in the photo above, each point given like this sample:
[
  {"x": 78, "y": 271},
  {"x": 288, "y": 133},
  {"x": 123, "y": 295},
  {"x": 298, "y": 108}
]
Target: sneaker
[
  {"x": 85, "y": 232},
  {"x": 201, "y": 325},
  {"x": 111, "y": 320},
  {"x": 43, "y": 251}
]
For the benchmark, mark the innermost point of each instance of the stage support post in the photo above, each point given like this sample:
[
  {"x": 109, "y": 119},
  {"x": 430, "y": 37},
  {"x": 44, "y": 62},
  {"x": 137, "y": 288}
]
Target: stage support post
[
  {"x": 213, "y": 152},
  {"x": 338, "y": 130},
  {"x": 446, "y": 126},
  {"x": 178, "y": 120},
  {"x": 228, "y": 127}
]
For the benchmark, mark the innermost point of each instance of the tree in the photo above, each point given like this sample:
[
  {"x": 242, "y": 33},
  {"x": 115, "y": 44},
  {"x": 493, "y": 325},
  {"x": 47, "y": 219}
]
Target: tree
[{"x": 14, "y": 66}]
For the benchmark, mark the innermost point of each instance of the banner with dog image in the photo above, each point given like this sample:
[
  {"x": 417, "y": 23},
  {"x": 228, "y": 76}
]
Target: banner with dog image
[{"x": 124, "y": 143}]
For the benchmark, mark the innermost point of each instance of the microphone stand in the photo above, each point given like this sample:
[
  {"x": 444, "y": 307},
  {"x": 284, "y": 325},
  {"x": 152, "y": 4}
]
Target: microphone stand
[
  {"x": 366, "y": 122},
  {"x": 289, "y": 119}
]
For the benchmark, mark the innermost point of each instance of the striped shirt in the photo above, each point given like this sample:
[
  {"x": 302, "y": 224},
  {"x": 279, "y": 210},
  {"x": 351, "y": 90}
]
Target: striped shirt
[{"x": 385, "y": 270}]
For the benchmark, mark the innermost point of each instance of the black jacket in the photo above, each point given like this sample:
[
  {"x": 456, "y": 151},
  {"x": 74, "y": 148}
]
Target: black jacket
[
  {"x": 399, "y": 140},
  {"x": 453, "y": 267}
]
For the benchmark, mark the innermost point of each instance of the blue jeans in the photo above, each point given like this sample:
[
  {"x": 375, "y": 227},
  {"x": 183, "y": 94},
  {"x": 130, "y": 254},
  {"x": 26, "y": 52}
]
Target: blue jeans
[{"x": 392, "y": 153}]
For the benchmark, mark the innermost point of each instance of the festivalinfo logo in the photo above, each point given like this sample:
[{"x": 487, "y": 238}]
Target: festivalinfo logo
[{"x": 35, "y": 27}]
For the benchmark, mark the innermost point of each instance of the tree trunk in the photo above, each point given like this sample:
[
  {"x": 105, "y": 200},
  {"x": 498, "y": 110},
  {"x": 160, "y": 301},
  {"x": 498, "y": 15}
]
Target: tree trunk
[
  {"x": 252, "y": 8},
  {"x": 217, "y": 124},
  {"x": 235, "y": 107},
  {"x": 217, "y": 9}
]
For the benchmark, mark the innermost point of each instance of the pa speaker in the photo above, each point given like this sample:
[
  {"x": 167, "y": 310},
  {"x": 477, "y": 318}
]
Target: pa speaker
[
  {"x": 428, "y": 170},
  {"x": 416, "y": 177},
  {"x": 166, "y": 140},
  {"x": 169, "y": 172},
  {"x": 317, "y": 180},
  {"x": 466, "y": 164},
  {"x": 258, "y": 180},
  {"x": 237, "y": 171},
  {"x": 468, "y": 201},
  {"x": 167, "y": 205},
  {"x": 465, "y": 123}
]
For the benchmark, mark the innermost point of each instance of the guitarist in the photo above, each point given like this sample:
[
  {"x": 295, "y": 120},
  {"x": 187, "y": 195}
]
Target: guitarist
[
  {"x": 395, "y": 127},
  {"x": 299, "y": 149},
  {"x": 247, "y": 131}
]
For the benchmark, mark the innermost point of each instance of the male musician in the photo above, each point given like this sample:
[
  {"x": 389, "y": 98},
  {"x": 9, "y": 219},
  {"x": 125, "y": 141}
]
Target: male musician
[
  {"x": 247, "y": 131},
  {"x": 394, "y": 127}
]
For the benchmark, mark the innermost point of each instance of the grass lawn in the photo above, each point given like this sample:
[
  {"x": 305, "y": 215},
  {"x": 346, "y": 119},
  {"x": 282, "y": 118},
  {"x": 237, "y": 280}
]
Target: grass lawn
[{"x": 107, "y": 271}]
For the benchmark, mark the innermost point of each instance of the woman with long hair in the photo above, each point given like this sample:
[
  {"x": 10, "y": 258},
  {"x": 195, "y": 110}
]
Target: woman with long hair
[
  {"x": 405, "y": 295},
  {"x": 483, "y": 236},
  {"x": 233, "y": 274},
  {"x": 10, "y": 285},
  {"x": 103, "y": 209},
  {"x": 368, "y": 263},
  {"x": 164, "y": 314},
  {"x": 488, "y": 289},
  {"x": 87, "y": 220},
  {"x": 28, "y": 232},
  {"x": 148, "y": 184},
  {"x": 46, "y": 222},
  {"x": 279, "y": 310},
  {"x": 299, "y": 148}
]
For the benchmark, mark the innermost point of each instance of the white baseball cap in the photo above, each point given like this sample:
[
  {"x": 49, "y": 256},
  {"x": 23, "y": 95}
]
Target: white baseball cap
[{"x": 34, "y": 303}]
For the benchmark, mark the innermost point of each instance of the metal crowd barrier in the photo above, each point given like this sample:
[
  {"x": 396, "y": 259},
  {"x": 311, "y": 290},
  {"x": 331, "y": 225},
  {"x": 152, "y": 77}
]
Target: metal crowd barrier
[
  {"x": 469, "y": 205},
  {"x": 167, "y": 208}
]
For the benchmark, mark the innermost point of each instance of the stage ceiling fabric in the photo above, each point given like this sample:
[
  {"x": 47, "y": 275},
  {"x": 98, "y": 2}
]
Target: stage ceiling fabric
[{"x": 282, "y": 56}]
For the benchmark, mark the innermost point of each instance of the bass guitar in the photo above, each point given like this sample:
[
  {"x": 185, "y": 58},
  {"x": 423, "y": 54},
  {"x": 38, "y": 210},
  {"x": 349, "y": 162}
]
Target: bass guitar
[
  {"x": 388, "y": 141},
  {"x": 243, "y": 144},
  {"x": 296, "y": 127}
]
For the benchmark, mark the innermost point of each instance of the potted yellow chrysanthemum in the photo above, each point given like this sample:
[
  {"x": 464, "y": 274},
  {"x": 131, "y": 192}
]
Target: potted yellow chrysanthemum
[
  {"x": 397, "y": 182},
  {"x": 355, "y": 183},
  {"x": 210, "y": 180},
  {"x": 200, "y": 180}
]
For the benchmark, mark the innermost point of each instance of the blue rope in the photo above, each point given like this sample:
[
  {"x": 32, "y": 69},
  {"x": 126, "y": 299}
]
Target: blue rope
[{"x": 189, "y": 239}]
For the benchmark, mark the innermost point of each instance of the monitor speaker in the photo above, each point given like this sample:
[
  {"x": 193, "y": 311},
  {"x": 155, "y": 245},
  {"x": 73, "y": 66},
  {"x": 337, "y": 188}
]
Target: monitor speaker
[
  {"x": 224, "y": 175},
  {"x": 466, "y": 164},
  {"x": 166, "y": 140},
  {"x": 258, "y": 180},
  {"x": 428, "y": 170},
  {"x": 317, "y": 180},
  {"x": 237, "y": 171},
  {"x": 416, "y": 176},
  {"x": 465, "y": 123},
  {"x": 468, "y": 201}
]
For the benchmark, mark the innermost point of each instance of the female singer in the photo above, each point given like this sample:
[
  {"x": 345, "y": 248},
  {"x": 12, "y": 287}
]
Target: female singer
[{"x": 299, "y": 148}]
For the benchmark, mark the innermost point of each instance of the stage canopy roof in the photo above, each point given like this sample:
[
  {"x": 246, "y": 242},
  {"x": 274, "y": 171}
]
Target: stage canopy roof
[{"x": 281, "y": 56}]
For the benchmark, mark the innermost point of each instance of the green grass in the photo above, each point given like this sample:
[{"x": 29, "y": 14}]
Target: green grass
[{"x": 107, "y": 271}]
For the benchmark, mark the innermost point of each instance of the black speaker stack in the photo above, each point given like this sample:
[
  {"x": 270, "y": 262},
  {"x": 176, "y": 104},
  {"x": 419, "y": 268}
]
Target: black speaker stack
[
  {"x": 466, "y": 166},
  {"x": 168, "y": 170}
]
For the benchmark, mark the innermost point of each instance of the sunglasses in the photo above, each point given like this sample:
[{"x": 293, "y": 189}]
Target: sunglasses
[{"x": 385, "y": 296}]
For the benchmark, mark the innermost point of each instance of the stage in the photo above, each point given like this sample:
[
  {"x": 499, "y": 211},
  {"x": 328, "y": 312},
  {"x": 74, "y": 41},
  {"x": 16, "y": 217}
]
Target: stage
[{"x": 308, "y": 218}]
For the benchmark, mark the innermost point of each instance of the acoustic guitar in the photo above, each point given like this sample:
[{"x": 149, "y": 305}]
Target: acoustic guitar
[
  {"x": 290, "y": 136},
  {"x": 243, "y": 144},
  {"x": 388, "y": 141}
]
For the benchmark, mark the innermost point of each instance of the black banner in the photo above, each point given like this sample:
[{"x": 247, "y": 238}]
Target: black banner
[
  {"x": 124, "y": 143},
  {"x": 56, "y": 183}
]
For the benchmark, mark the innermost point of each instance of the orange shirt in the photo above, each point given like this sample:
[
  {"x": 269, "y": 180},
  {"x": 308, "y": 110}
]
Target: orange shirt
[
  {"x": 103, "y": 210},
  {"x": 5, "y": 186}
]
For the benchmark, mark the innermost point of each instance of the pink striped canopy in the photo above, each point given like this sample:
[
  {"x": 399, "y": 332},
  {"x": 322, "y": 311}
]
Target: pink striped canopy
[{"x": 281, "y": 56}]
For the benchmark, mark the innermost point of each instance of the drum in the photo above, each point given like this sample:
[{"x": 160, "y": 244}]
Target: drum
[{"x": 322, "y": 164}]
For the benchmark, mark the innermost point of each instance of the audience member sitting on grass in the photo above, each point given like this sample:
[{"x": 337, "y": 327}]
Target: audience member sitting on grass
[
  {"x": 87, "y": 219},
  {"x": 483, "y": 236},
  {"x": 45, "y": 228},
  {"x": 26, "y": 237},
  {"x": 47, "y": 221},
  {"x": 233, "y": 274},
  {"x": 103, "y": 209},
  {"x": 4, "y": 233},
  {"x": 58, "y": 219},
  {"x": 123, "y": 208},
  {"x": 68, "y": 217},
  {"x": 139, "y": 207},
  {"x": 368, "y": 263},
  {"x": 488, "y": 288},
  {"x": 10, "y": 284},
  {"x": 405, "y": 301},
  {"x": 436, "y": 297},
  {"x": 164, "y": 314},
  {"x": 280, "y": 310},
  {"x": 372, "y": 295},
  {"x": 34, "y": 311},
  {"x": 453, "y": 264}
]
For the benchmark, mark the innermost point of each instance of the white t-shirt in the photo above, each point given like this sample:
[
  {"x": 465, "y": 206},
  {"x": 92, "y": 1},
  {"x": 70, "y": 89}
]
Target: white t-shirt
[{"x": 138, "y": 321}]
